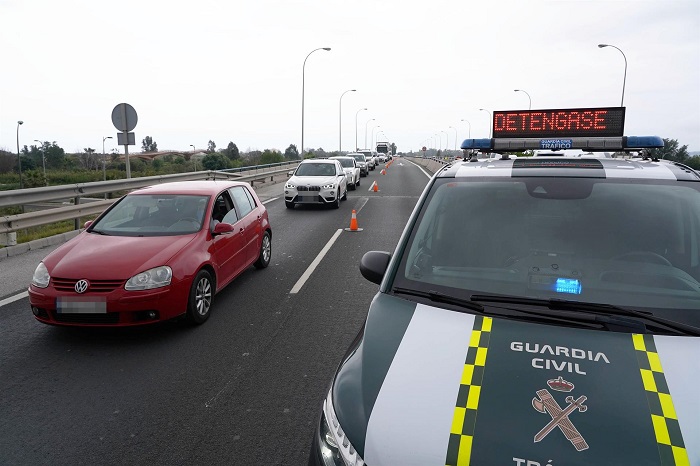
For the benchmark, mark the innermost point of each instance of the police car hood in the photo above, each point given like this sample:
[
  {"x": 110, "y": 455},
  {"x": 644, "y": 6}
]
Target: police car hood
[{"x": 429, "y": 386}]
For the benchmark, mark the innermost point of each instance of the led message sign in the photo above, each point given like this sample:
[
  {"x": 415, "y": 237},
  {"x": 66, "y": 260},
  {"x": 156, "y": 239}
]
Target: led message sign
[{"x": 571, "y": 122}]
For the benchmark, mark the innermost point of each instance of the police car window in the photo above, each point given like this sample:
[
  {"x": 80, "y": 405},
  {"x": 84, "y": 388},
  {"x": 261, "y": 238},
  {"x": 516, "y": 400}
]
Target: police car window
[{"x": 629, "y": 243}]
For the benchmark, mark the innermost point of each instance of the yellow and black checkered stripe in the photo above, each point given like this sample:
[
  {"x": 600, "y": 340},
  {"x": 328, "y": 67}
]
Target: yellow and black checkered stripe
[
  {"x": 663, "y": 415},
  {"x": 462, "y": 432}
]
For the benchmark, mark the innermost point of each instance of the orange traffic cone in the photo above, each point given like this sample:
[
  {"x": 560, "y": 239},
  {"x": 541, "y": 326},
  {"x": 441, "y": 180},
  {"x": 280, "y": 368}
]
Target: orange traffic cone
[
  {"x": 383, "y": 172},
  {"x": 353, "y": 222},
  {"x": 376, "y": 187}
]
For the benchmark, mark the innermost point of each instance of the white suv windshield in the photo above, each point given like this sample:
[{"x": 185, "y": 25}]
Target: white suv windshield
[
  {"x": 315, "y": 169},
  {"x": 622, "y": 242}
]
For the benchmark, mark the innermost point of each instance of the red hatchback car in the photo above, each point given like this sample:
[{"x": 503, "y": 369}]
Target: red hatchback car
[{"x": 157, "y": 253}]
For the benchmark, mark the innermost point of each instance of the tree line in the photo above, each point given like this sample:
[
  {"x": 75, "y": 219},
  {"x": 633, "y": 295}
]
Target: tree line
[{"x": 46, "y": 163}]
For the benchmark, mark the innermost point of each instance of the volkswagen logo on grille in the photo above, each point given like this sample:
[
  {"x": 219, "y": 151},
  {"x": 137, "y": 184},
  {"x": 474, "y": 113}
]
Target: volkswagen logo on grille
[{"x": 81, "y": 286}]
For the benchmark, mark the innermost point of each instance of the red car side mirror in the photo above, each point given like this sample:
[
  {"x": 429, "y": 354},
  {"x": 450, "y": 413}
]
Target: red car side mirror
[{"x": 222, "y": 228}]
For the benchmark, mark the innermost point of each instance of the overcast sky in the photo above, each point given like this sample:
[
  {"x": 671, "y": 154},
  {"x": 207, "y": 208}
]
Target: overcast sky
[{"x": 232, "y": 70}]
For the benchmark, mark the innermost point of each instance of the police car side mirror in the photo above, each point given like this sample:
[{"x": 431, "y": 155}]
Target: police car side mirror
[{"x": 374, "y": 264}]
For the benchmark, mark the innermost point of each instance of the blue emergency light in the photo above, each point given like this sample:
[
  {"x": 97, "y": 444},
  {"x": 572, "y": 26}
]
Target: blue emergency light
[
  {"x": 590, "y": 144},
  {"x": 567, "y": 285}
]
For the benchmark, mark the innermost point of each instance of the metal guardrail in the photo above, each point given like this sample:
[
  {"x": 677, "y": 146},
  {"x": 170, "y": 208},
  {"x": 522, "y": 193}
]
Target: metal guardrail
[
  {"x": 52, "y": 193},
  {"x": 13, "y": 223}
]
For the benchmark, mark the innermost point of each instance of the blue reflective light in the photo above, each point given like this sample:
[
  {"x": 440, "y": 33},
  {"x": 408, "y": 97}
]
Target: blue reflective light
[
  {"x": 644, "y": 142},
  {"x": 477, "y": 144},
  {"x": 567, "y": 285}
]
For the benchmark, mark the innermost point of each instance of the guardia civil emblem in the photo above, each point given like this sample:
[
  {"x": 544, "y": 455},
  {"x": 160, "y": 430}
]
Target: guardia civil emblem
[{"x": 545, "y": 403}]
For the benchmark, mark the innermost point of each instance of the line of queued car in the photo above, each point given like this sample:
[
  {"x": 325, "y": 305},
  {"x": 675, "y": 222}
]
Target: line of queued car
[{"x": 327, "y": 181}]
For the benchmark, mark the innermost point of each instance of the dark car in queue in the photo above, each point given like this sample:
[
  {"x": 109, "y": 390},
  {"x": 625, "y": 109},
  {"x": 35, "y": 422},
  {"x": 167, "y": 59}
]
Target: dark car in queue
[
  {"x": 157, "y": 253},
  {"x": 536, "y": 311},
  {"x": 361, "y": 162}
]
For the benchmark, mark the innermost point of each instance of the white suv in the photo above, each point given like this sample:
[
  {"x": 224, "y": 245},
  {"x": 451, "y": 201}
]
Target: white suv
[{"x": 317, "y": 181}]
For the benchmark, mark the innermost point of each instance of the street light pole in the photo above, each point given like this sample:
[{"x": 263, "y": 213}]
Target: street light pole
[
  {"x": 470, "y": 128},
  {"x": 104, "y": 162},
  {"x": 340, "y": 120},
  {"x": 366, "y": 146},
  {"x": 303, "y": 73},
  {"x": 447, "y": 139},
  {"x": 490, "y": 120},
  {"x": 19, "y": 158},
  {"x": 455, "y": 137},
  {"x": 193, "y": 159},
  {"x": 624, "y": 79},
  {"x": 528, "y": 97},
  {"x": 373, "y": 128},
  {"x": 357, "y": 148}
]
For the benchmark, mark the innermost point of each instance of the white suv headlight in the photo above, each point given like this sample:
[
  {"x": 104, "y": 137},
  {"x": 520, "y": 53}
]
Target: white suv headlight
[
  {"x": 289, "y": 185},
  {"x": 328, "y": 186}
]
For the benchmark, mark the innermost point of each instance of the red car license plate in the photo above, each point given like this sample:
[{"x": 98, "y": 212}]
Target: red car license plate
[{"x": 81, "y": 305}]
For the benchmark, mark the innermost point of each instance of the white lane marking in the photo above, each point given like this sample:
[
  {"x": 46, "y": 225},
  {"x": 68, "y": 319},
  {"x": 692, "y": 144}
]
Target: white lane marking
[
  {"x": 361, "y": 204},
  {"x": 270, "y": 200},
  {"x": 14, "y": 298},
  {"x": 305, "y": 276}
]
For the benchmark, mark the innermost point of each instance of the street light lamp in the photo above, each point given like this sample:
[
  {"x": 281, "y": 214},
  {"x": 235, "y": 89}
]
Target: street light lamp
[
  {"x": 624, "y": 79},
  {"x": 528, "y": 97},
  {"x": 303, "y": 72},
  {"x": 366, "y": 146},
  {"x": 490, "y": 119},
  {"x": 193, "y": 159},
  {"x": 43, "y": 159},
  {"x": 470, "y": 128},
  {"x": 455, "y": 137},
  {"x": 19, "y": 158},
  {"x": 340, "y": 120},
  {"x": 357, "y": 148}
]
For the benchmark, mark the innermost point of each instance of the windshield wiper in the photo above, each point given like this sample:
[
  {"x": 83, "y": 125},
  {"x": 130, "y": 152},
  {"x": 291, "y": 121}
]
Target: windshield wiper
[
  {"x": 99, "y": 232},
  {"x": 604, "y": 313},
  {"x": 442, "y": 298}
]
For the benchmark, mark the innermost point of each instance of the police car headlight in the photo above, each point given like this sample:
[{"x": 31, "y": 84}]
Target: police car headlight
[
  {"x": 153, "y": 278},
  {"x": 336, "y": 449},
  {"x": 41, "y": 276}
]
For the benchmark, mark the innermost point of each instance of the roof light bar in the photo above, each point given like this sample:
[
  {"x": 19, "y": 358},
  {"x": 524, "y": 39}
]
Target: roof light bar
[{"x": 591, "y": 144}]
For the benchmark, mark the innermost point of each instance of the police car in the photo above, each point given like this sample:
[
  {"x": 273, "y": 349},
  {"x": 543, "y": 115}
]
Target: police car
[{"x": 562, "y": 328}]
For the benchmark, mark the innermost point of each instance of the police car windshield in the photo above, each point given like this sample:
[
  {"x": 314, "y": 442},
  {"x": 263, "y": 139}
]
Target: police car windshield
[{"x": 629, "y": 243}]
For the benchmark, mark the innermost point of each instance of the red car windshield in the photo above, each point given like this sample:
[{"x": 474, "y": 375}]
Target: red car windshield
[{"x": 153, "y": 215}]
